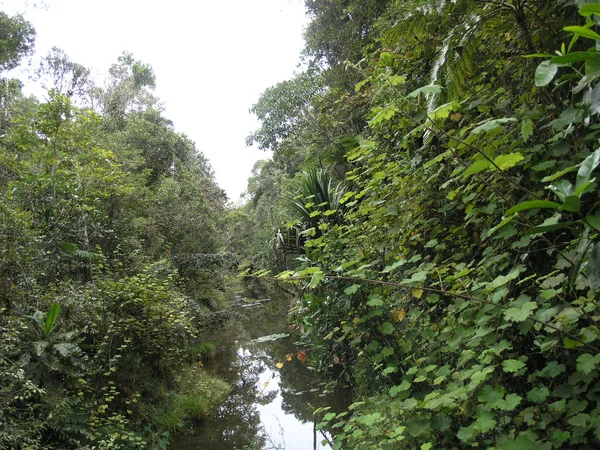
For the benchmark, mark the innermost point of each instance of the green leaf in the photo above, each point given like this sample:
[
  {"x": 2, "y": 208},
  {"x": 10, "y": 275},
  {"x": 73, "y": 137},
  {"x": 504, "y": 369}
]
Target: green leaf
[
  {"x": 520, "y": 314},
  {"x": 387, "y": 328},
  {"x": 394, "y": 266},
  {"x": 351, "y": 289},
  {"x": 585, "y": 170},
  {"x": 538, "y": 395},
  {"x": 588, "y": 10},
  {"x": 512, "y": 365},
  {"x": 545, "y": 73},
  {"x": 443, "y": 111},
  {"x": 316, "y": 279},
  {"x": 549, "y": 227},
  {"x": 583, "y": 32},
  {"x": 375, "y": 300},
  {"x": 425, "y": 90},
  {"x": 492, "y": 125},
  {"x": 559, "y": 174},
  {"x": 478, "y": 166},
  {"x": 505, "y": 162},
  {"x": 51, "y": 318},
  {"x": 520, "y": 443},
  {"x": 572, "y": 203},
  {"x": 552, "y": 369},
  {"x": 395, "y": 390},
  {"x": 465, "y": 433},
  {"x": 485, "y": 422},
  {"x": 593, "y": 270},
  {"x": 533, "y": 204},
  {"x": 573, "y": 57},
  {"x": 510, "y": 402},
  {"x": 586, "y": 363},
  {"x": 370, "y": 419},
  {"x": 526, "y": 129},
  {"x": 385, "y": 114}
]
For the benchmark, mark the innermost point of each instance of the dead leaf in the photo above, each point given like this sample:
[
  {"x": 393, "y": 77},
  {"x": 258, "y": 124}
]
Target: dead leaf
[
  {"x": 302, "y": 356},
  {"x": 399, "y": 315},
  {"x": 456, "y": 116}
]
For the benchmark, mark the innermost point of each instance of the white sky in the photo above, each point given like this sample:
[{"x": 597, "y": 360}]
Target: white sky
[{"x": 212, "y": 60}]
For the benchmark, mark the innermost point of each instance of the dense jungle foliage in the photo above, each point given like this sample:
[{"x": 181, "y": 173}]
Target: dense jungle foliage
[
  {"x": 110, "y": 259},
  {"x": 433, "y": 192}
]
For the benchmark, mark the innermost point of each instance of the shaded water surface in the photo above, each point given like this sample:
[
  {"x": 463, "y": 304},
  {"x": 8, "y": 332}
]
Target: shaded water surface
[{"x": 268, "y": 408}]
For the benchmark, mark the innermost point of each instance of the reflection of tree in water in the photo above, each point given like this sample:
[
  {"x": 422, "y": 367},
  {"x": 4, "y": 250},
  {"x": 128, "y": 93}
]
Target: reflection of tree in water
[{"x": 237, "y": 424}]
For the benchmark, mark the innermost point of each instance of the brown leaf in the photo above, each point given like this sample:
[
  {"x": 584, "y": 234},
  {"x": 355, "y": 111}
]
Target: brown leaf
[
  {"x": 456, "y": 116},
  {"x": 302, "y": 356}
]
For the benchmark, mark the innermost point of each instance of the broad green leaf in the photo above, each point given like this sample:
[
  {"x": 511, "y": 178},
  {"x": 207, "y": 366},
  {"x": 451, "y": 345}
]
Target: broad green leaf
[
  {"x": 533, "y": 204},
  {"x": 545, "y": 73},
  {"x": 572, "y": 203},
  {"x": 425, "y": 90},
  {"x": 505, "y": 162},
  {"x": 526, "y": 129},
  {"x": 443, "y": 111},
  {"x": 520, "y": 314},
  {"x": 360, "y": 84},
  {"x": 550, "y": 227},
  {"x": 490, "y": 395},
  {"x": 583, "y": 32},
  {"x": 586, "y": 363},
  {"x": 465, "y": 433},
  {"x": 395, "y": 390},
  {"x": 585, "y": 170},
  {"x": 510, "y": 402},
  {"x": 538, "y": 395},
  {"x": 520, "y": 443},
  {"x": 387, "y": 328},
  {"x": 593, "y": 270},
  {"x": 485, "y": 422},
  {"x": 588, "y": 10},
  {"x": 492, "y": 125},
  {"x": 552, "y": 369},
  {"x": 573, "y": 57},
  {"x": 386, "y": 113},
  {"x": 504, "y": 222},
  {"x": 395, "y": 80},
  {"x": 478, "y": 166},
  {"x": 351, "y": 289},
  {"x": 316, "y": 279},
  {"x": 370, "y": 419},
  {"x": 559, "y": 174},
  {"x": 512, "y": 365},
  {"x": 51, "y": 318},
  {"x": 394, "y": 266},
  {"x": 375, "y": 300}
]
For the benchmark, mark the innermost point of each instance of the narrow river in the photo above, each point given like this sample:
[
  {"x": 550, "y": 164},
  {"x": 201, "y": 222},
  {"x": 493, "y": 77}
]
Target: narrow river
[{"x": 269, "y": 408}]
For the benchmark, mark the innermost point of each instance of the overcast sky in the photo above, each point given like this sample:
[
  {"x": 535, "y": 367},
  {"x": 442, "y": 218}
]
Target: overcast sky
[{"x": 212, "y": 60}]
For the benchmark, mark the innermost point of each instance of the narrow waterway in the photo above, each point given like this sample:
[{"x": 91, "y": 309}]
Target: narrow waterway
[{"x": 270, "y": 407}]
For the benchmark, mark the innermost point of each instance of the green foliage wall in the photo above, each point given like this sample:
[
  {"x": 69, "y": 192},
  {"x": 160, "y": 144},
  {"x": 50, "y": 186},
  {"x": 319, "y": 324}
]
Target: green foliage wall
[
  {"x": 458, "y": 292},
  {"x": 97, "y": 212}
]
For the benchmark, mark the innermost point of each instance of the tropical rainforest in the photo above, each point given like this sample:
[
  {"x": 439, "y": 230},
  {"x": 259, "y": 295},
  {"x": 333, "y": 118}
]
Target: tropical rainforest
[{"x": 431, "y": 203}]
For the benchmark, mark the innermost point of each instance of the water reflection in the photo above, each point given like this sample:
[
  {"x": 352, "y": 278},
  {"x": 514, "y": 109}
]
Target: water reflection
[{"x": 269, "y": 408}]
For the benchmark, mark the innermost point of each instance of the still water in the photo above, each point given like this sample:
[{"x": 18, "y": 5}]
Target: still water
[{"x": 269, "y": 408}]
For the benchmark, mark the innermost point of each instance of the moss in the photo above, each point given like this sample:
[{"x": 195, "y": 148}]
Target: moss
[{"x": 198, "y": 394}]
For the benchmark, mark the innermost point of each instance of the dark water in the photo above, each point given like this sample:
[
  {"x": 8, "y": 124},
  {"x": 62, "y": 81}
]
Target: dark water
[{"x": 268, "y": 408}]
